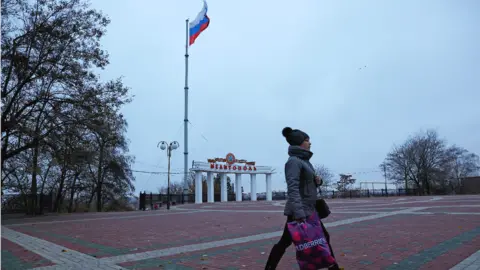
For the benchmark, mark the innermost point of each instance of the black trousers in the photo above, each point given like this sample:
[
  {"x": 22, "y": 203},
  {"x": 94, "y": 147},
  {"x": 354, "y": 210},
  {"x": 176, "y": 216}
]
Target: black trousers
[{"x": 279, "y": 248}]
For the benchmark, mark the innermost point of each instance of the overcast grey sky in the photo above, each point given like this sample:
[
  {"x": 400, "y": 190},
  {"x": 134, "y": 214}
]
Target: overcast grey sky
[{"x": 263, "y": 65}]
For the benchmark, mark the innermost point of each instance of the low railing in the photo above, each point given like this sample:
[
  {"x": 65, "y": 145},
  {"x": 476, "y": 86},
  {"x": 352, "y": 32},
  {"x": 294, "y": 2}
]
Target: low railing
[
  {"x": 161, "y": 199},
  {"x": 19, "y": 203}
]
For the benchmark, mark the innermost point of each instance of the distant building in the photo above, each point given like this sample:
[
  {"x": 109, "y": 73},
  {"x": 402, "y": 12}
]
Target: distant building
[{"x": 471, "y": 185}]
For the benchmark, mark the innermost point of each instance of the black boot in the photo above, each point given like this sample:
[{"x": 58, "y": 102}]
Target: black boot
[
  {"x": 274, "y": 258},
  {"x": 334, "y": 267}
]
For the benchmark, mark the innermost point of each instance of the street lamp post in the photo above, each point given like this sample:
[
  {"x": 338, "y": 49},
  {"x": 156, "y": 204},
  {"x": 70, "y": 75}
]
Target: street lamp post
[
  {"x": 169, "y": 147},
  {"x": 385, "y": 175}
]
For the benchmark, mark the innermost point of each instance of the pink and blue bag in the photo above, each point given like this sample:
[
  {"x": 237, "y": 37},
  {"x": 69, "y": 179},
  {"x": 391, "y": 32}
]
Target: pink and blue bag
[{"x": 312, "y": 249}]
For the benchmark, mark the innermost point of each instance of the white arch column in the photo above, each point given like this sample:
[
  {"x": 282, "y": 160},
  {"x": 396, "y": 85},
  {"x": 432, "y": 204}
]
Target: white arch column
[
  {"x": 253, "y": 187},
  {"x": 198, "y": 187},
  {"x": 210, "y": 187},
  {"x": 238, "y": 187},
  {"x": 223, "y": 188},
  {"x": 268, "y": 179}
]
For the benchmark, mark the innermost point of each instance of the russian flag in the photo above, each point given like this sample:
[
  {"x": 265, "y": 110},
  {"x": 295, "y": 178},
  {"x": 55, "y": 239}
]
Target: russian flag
[{"x": 199, "y": 24}]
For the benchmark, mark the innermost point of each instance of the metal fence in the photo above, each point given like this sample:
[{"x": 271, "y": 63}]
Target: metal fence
[{"x": 18, "y": 203}]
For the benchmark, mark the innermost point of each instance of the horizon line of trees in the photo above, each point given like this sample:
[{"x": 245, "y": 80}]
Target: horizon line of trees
[
  {"x": 63, "y": 133},
  {"x": 176, "y": 187}
]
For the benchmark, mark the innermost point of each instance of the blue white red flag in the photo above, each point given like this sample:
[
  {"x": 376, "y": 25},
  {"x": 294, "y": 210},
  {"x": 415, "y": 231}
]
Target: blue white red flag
[{"x": 200, "y": 23}]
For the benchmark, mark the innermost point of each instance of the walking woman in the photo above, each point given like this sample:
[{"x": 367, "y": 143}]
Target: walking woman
[{"x": 301, "y": 188}]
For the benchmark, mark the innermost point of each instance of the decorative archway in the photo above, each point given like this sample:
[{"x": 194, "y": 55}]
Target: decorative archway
[{"x": 230, "y": 165}]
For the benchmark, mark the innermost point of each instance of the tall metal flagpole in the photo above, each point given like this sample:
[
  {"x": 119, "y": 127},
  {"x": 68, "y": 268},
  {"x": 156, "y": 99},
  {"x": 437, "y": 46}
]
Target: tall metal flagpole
[{"x": 185, "y": 121}]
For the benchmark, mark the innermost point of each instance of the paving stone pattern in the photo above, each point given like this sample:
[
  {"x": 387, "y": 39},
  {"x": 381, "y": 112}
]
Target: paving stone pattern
[
  {"x": 470, "y": 263},
  {"x": 55, "y": 253},
  {"x": 15, "y": 256},
  {"x": 372, "y": 233},
  {"x": 250, "y": 255},
  {"x": 456, "y": 250}
]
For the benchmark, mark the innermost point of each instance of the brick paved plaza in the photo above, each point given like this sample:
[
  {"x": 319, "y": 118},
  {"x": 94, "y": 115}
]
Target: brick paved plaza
[{"x": 441, "y": 232}]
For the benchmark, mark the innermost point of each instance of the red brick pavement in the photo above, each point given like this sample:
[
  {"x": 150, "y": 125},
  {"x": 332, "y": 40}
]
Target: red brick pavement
[
  {"x": 157, "y": 232},
  {"x": 396, "y": 207},
  {"x": 379, "y": 243},
  {"x": 228, "y": 204},
  {"x": 251, "y": 255},
  {"x": 50, "y": 236},
  {"x": 17, "y": 219},
  {"x": 370, "y": 208},
  {"x": 234, "y": 206},
  {"x": 445, "y": 261},
  {"x": 373, "y": 244},
  {"x": 454, "y": 209},
  {"x": 433, "y": 203},
  {"x": 363, "y": 245},
  {"x": 336, "y": 217},
  {"x": 237, "y": 208},
  {"x": 17, "y": 255}
]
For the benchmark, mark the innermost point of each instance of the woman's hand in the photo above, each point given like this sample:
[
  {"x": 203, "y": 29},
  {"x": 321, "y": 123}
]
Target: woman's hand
[
  {"x": 300, "y": 220},
  {"x": 318, "y": 180}
]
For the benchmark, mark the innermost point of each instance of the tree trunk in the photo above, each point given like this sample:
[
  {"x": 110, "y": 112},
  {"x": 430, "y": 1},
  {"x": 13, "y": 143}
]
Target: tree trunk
[
  {"x": 26, "y": 200},
  {"x": 94, "y": 189},
  {"x": 58, "y": 200},
  {"x": 36, "y": 150},
  {"x": 76, "y": 203},
  {"x": 4, "y": 150},
  {"x": 99, "y": 197},
  {"x": 100, "y": 179},
  {"x": 42, "y": 189},
  {"x": 72, "y": 193},
  {"x": 41, "y": 198},
  {"x": 427, "y": 185},
  {"x": 33, "y": 191}
]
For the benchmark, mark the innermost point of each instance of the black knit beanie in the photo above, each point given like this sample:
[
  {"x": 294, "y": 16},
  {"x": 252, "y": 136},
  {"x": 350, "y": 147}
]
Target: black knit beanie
[{"x": 294, "y": 136}]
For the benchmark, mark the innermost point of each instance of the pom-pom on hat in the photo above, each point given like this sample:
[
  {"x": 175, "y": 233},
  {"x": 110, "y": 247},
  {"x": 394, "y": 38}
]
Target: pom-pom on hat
[{"x": 294, "y": 136}]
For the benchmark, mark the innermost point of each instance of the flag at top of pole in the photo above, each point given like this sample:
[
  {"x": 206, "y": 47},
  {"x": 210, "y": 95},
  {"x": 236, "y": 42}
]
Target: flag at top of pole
[{"x": 200, "y": 23}]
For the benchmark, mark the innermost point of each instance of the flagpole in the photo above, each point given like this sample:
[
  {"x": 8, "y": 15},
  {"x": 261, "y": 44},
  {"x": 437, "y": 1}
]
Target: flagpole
[{"x": 185, "y": 121}]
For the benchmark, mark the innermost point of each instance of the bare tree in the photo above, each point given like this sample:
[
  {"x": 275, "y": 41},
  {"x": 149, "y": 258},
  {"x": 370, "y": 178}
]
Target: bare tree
[
  {"x": 345, "y": 183},
  {"x": 326, "y": 175},
  {"x": 417, "y": 161},
  {"x": 175, "y": 188},
  {"x": 217, "y": 184},
  {"x": 461, "y": 164},
  {"x": 191, "y": 181},
  {"x": 426, "y": 163},
  {"x": 62, "y": 130},
  {"x": 178, "y": 187}
]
